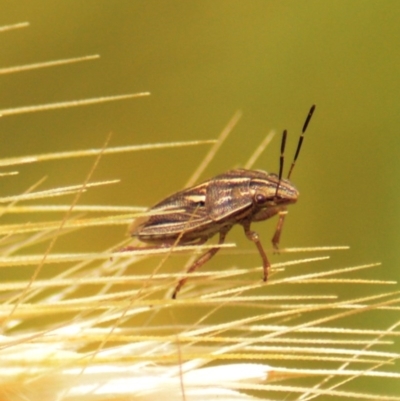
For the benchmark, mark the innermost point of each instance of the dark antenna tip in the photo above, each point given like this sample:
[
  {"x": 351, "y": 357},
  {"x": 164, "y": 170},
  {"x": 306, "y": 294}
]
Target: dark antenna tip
[
  {"x": 310, "y": 114},
  {"x": 281, "y": 160}
]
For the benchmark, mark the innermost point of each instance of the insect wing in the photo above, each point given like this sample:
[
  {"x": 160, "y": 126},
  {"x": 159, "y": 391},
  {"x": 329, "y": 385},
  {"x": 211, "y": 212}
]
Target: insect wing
[
  {"x": 180, "y": 212},
  {"x": 228, "y": 194}
]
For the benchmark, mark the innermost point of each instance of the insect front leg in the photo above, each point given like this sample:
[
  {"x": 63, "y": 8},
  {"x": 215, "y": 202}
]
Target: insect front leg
[
  {"x": 200, "y": 262},
  {"x": 278, "y": 230},
  {"x": 253, "y": 236}
]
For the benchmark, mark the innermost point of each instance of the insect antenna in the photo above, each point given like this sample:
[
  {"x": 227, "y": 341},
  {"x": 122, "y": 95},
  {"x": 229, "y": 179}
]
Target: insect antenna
[
  {"x": 281, "y": 160},
  {"x": 310, "y": 113}
]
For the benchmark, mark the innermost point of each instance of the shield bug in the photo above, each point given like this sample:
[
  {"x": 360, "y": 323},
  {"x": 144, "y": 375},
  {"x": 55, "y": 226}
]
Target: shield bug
[{"x": 239, "y": 196}]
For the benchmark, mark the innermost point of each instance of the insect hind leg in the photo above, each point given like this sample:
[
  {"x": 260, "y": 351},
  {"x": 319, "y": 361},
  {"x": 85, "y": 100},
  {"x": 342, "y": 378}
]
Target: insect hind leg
[
  {"x": 200, "y": 262},
  {"x": 254, "y": 237}
]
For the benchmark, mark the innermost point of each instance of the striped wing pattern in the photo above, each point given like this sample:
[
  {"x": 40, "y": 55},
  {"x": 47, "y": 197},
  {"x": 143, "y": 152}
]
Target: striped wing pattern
[
  {"x": 227, "y": 194},
  {"x": 180, "y": 212}
]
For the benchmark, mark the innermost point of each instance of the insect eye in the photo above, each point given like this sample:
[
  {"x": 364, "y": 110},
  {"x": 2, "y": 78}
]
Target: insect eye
[{"x": 260, "y": 199}]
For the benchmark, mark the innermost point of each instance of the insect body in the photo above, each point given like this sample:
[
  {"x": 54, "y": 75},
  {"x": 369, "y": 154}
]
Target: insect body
[{"x": 238, "y": 196}]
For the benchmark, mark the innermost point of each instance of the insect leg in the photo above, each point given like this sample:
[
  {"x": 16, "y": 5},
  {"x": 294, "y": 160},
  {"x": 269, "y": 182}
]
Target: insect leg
[
  {"x": 278, "y": 230},
  {"x": 200, "y": 262},
  {"x": 253, "y": 236}
]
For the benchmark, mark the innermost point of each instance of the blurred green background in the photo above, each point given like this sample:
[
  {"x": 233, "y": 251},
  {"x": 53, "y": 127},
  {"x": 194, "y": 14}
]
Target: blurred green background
[{"x": 203, "y": 60}]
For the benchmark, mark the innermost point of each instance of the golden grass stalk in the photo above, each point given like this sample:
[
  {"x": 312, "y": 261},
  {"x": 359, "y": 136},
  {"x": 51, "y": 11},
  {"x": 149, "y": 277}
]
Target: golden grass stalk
[
  {"x": 99, "y": 329},
  {"x": 104, "y": 327}
]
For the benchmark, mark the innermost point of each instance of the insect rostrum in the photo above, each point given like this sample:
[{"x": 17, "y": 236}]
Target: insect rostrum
[{"x": 238, "y": 196}]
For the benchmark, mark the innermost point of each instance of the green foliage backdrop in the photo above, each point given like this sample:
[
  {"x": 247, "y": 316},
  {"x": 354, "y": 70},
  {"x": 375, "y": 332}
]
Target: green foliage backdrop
[{"x": 203, "y": 60}]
